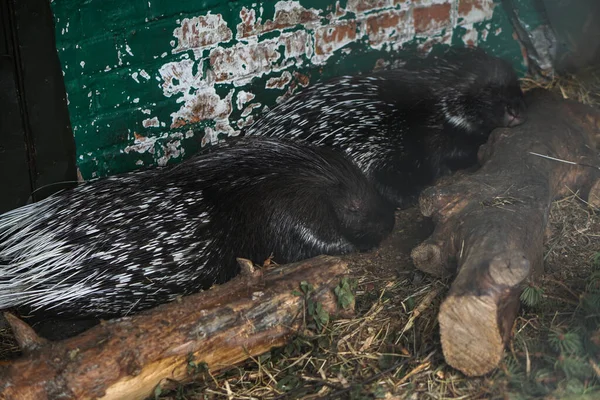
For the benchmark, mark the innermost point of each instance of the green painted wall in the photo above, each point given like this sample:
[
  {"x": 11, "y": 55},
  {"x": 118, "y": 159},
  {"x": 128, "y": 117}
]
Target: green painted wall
[{"x": 150, "y": 82}]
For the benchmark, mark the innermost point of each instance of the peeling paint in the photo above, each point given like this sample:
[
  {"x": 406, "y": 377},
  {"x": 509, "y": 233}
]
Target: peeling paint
[
  {"x": 279, "y": 82},
  {"x": 431, "y": 19},
  {"x": 243, "y": 62},
  {"x": 204, "y": 104},
  {"x": 472, "y": 11},
  {"x": 361, "y": 6},
  {"x": 144, "y": 74},
  {"x": 151, "y": 122},
  {"x": 388, "y": 28},
  {"x": 151, "y": 145},
  {"x": 333, "y": 37},
  {"x": 171, "y": 150},
  {"x": 201, "y": 32},
  {"x": 211, "y": 135},
  {"x": 243, "y": 97},
  {"x": 288, "y": 14},
  {"x": 177, "y": 77},
  {"x": 248, "y": 110}
]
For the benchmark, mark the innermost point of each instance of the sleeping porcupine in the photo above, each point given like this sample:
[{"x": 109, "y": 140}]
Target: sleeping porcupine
[
  {"x": 405, "y": 127},
  {"x": 126, "y": 243}
]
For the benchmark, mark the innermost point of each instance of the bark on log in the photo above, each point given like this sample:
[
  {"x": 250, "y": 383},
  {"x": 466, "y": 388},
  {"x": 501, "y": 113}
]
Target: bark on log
[
  {"x": 490, "y": 224},
  {"x": 126, "y": 358}
]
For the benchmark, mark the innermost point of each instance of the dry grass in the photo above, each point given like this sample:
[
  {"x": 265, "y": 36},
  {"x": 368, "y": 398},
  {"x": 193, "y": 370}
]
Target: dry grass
[{"x": 583, "y": 86}]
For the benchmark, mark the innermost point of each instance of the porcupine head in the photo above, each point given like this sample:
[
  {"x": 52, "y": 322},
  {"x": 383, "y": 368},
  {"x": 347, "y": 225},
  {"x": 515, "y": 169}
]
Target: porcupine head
[
  {"x": 487, "y": 95},
  {"x": 365, "y": 216}
]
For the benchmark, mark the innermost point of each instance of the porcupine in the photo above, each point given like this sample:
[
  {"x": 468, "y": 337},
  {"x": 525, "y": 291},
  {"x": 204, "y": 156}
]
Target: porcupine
[
  {"x": 406, "y": 126},
  {"x": 122, "y": 244}
]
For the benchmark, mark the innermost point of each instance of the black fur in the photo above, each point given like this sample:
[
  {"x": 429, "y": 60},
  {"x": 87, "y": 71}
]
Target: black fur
[
  {"x": 130, "y": 242},
  {"x": 405, "y": 127}
]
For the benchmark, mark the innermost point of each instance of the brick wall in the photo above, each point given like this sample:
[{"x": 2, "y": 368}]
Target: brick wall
[{"x": 151, "y": 82}]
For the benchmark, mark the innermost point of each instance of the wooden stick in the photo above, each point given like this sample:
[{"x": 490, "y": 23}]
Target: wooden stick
[{"x": 127, "y": 358}]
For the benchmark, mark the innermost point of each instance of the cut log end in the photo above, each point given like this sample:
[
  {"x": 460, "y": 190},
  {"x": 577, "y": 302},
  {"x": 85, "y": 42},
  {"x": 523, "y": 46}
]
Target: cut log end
[
  {"x": 471, "y": 339},
  {"x": 509, "y": 272},
  {"x": 427, "y": 257},
  {"x": 493, "y": 223}
]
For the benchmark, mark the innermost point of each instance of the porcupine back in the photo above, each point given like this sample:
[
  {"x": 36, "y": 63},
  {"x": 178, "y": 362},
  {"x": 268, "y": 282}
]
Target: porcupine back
[
  {"x": 126, "y": 243},
  {"x": 404, "y": 127}
]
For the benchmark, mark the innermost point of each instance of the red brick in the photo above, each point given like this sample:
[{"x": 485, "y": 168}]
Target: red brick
[
  {"x": 360, "y": 6},
  {"x": 283, "y": 19},
  {"x": 475, "y": 10},
  {"x": 432, "y": 18},
  {"x": 200, "y": 32},
  {"x": 385, "y": 26},
  {"x": 332, "y": 37},
  {"x": 243, "y": 60}
]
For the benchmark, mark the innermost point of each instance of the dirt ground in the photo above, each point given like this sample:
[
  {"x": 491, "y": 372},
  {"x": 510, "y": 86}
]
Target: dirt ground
[{"x": 391, "y": 348}]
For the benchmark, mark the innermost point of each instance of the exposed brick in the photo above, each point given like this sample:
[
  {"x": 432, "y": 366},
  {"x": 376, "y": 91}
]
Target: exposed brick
[
  {"x": 287, "y": 15},
  {"x": 330, "y": 38},
  {"x": 206, "y": 105},
  {"x": 360, "y": 6},
  {"x": 243, "y": 60},
  {"x": 303, "y": 80},
  {"x": 432, "y": 18},
  {"x": 296, "y": 44},
  {"x": 200, "y": 32},
  {"x": 471, "y": 11},
  {"x": 387, "y": 26},
  {"x": 279, "y": 82}
]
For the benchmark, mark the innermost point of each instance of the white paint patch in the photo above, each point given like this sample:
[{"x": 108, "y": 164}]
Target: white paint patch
[
  {"x": 248, "y": 110},
  {"x": 287, "y": 15},
  {"x": 135, "y": 77},
  {"x": 178, "y": 77},
  {"x": 363, "y": 6},
  {"x": 470, "y": 37},
  {"x": 82, "y": 64},
  {"x": 171, "y": 150},
  {"x": 243, "y": 97},
  {"x": 480, "y": 11},
  {"x": 151, "y": 122},
  {"x": 243, "y": 62},
  {"x": 152, "y": 145},
  {"x": 203, "y": 105},
  {"x": 211, "y": 135},
  {"x": 141, "y": 144},
  {"x": 201, "y": 32},
  {"x": 144, "y": 75},
  {"x": 279, "y": 82}
]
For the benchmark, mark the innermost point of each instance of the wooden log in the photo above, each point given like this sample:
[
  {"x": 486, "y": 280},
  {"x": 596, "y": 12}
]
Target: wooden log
[
  {"x": 127, "y": 358},
  {"x": 490, "y": 224}
]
